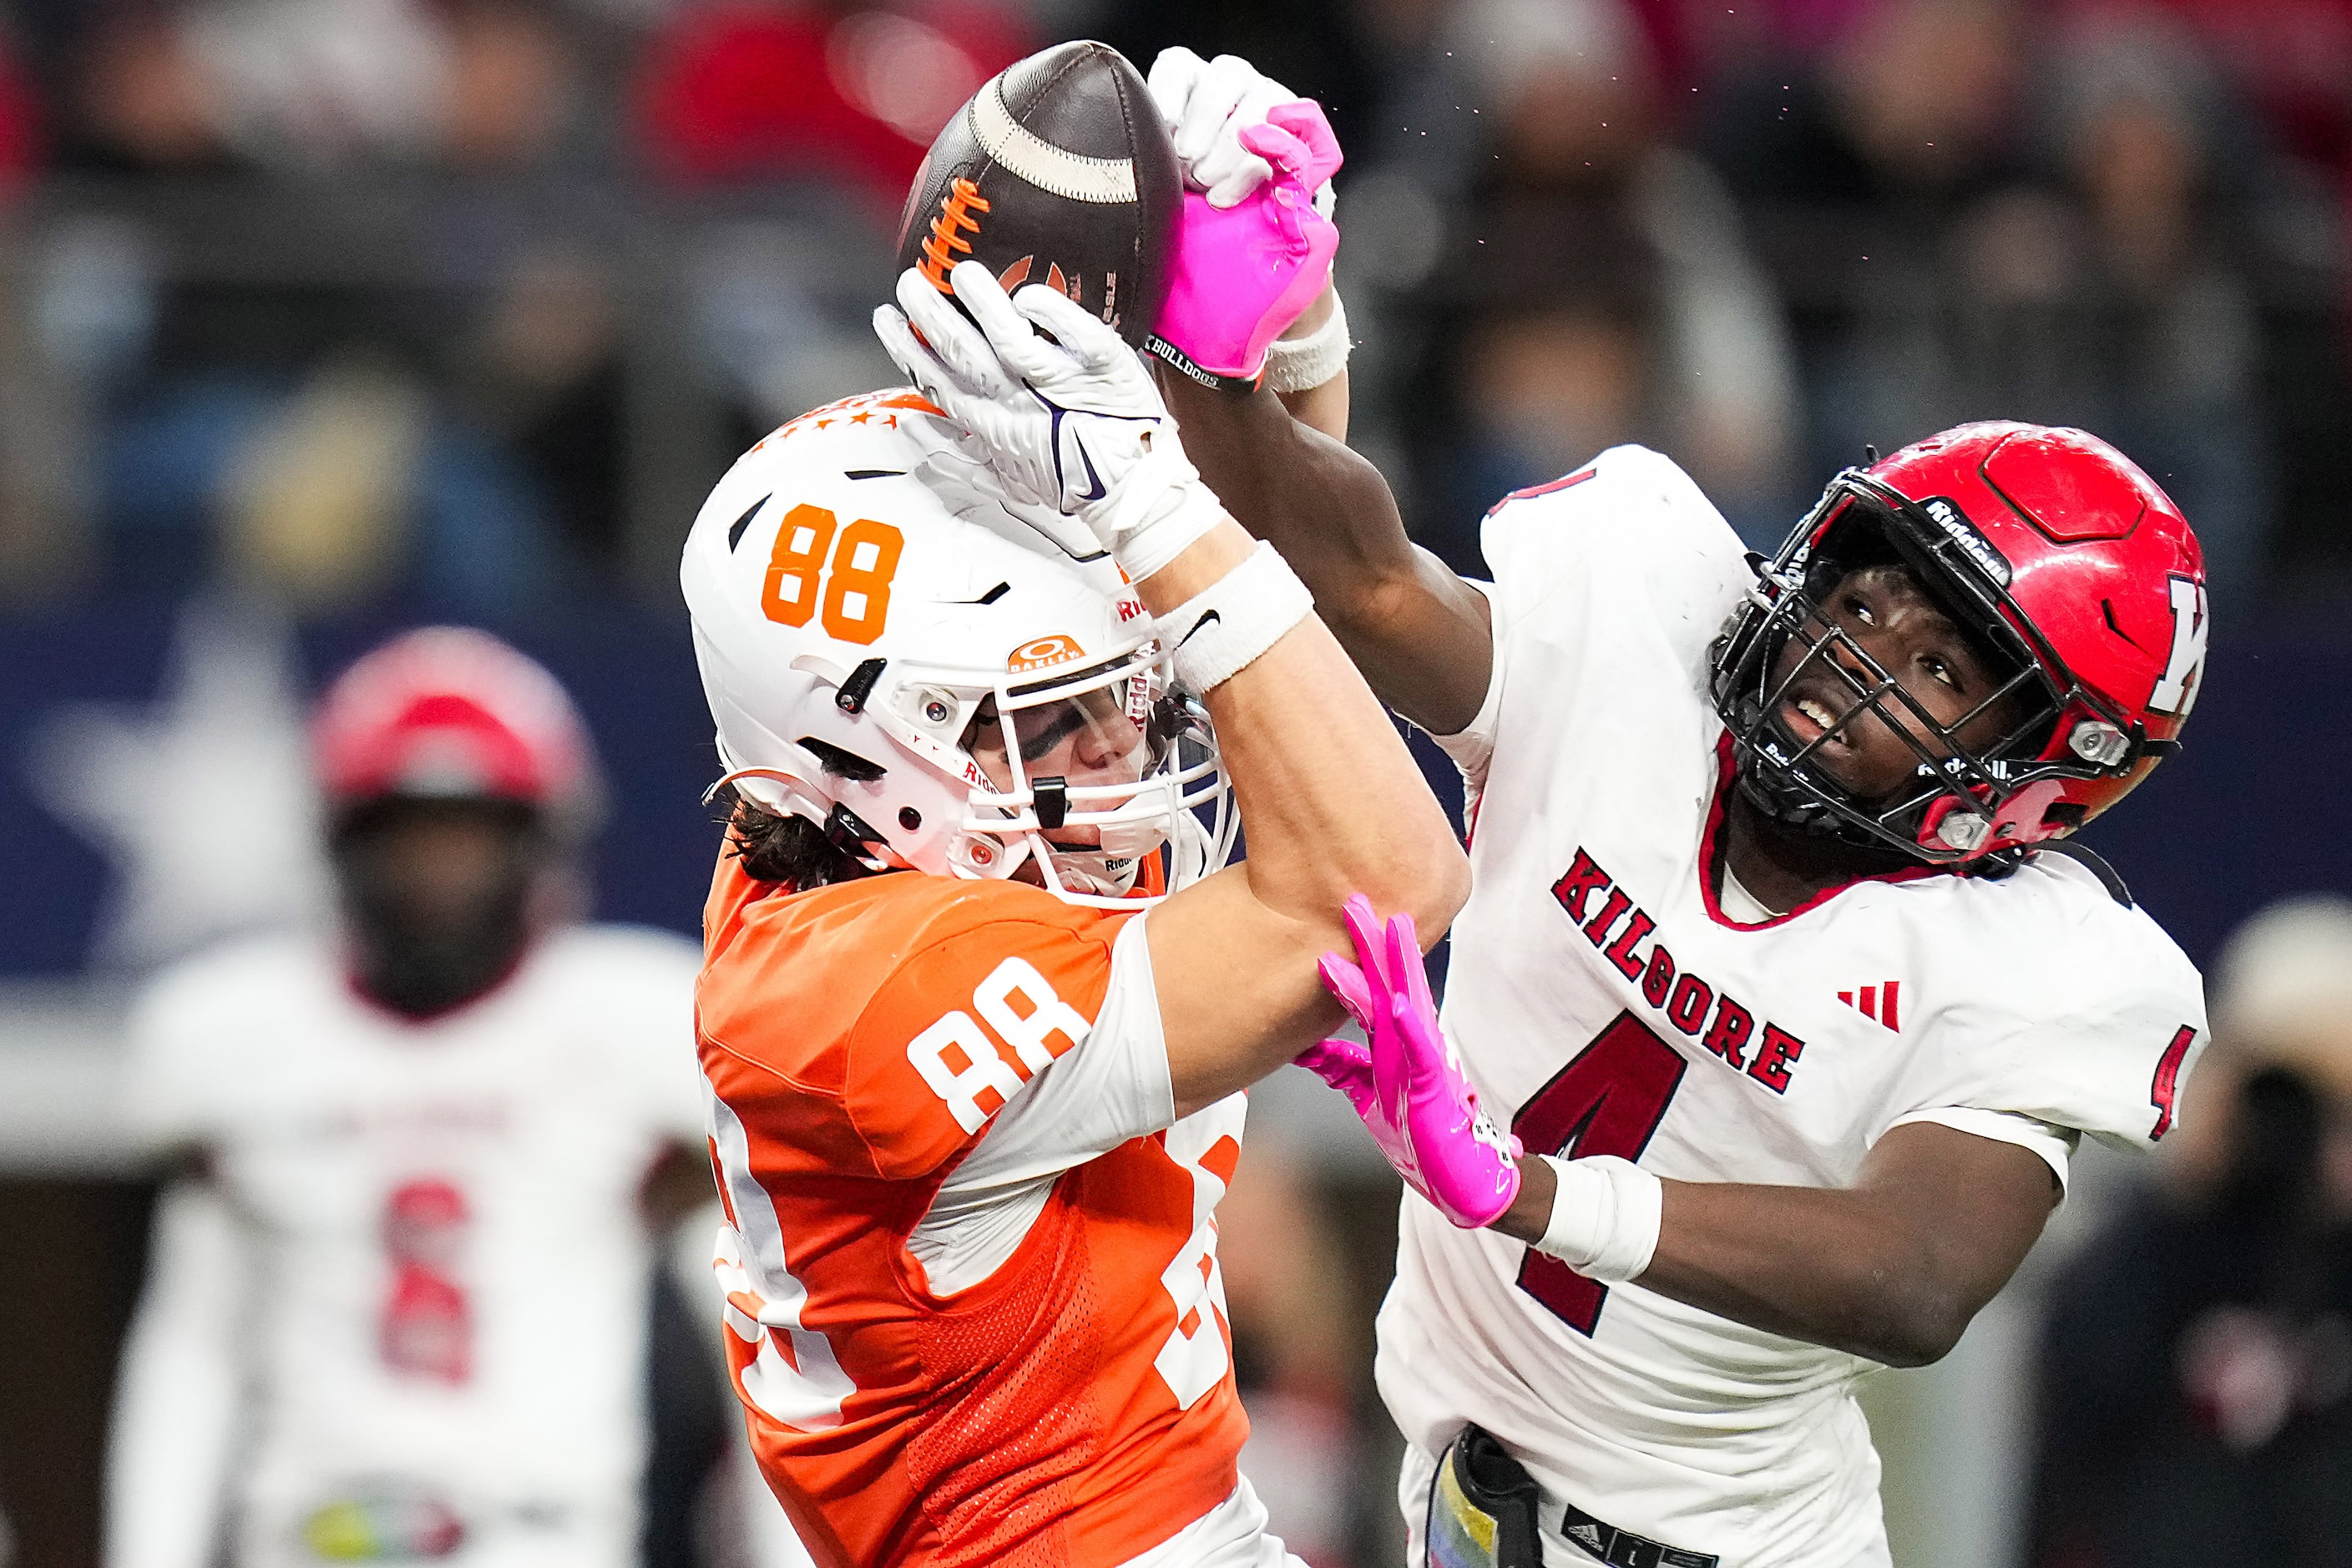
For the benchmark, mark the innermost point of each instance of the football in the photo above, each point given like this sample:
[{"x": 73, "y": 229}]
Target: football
[{"x": 1060, "y": 172}]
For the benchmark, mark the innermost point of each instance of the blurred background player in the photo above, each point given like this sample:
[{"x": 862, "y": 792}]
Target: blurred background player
[
  {"x": 974, "y": 1103},
  {"x": 399, "y": 1302}
]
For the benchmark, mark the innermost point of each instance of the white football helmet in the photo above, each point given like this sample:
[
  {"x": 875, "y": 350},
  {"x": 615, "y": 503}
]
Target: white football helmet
[{"x": 856, "y": 636}]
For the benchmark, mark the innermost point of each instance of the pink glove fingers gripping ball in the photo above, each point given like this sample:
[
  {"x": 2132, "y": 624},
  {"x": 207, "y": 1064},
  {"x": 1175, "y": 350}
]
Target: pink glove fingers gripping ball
[
  {"x": 1410, "y": 1092},
  {"x": 1243, "y": 274}
]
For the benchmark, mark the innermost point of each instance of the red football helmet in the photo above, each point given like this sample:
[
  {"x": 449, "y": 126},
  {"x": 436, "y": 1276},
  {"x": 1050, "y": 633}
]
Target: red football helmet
[
  {"x": 2069, "y": 564},
  {"x": 449, "y": 712}
]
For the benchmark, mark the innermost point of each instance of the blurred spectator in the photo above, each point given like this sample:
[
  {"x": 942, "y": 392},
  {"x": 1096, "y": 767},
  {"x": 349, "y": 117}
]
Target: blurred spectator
[
  {"x": 471, "y": 84},
  {"x": 1593, "y": 286},
  {"x": 398, "y": 1301},
  {"x": 2063, "y": 249},
  {"x": 1328, "y": 50},
  {"x": 20, "y": 130},
  {"x": 542, "y": 373},
  {"x": 343, "y": 482},
  {"x": 736, "y": 91},
  {"x": 1913, "y": 104},
  {"x": 2293, "y": 56},
  {"x": 2197, "y": 1366}
]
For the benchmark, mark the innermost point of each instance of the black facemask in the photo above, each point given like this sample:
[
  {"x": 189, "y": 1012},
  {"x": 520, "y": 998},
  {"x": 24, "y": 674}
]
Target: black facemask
[{"x": 418, "y": 955}]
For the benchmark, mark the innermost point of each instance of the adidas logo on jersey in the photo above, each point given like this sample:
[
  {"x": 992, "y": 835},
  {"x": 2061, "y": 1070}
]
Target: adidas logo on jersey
[{"x": 1882, "y": 1003}]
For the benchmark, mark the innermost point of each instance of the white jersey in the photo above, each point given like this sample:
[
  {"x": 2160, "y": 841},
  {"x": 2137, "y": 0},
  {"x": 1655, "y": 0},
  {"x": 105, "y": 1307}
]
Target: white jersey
[
  {"x": 445, "y": 1269},
  {"x": 1600, "y": 994}
]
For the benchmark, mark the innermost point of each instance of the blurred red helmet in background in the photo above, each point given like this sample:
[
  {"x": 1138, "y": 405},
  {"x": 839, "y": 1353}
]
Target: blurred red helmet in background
[{"x": 449, "y": 712}]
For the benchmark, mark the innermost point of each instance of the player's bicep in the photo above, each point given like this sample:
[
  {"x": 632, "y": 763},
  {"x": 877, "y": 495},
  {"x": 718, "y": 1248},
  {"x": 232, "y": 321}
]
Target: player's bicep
[
  {"x": 1239, "y": 996},
  {"x": 1969, "y": 1206}
]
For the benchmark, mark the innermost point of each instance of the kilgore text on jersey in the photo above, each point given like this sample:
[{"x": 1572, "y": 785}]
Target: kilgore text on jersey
[{"x": 1685, "y": 998}]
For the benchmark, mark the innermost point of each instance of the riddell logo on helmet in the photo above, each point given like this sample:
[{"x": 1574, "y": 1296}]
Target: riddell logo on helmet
[
  {"x": 1039, "y": 653},
  {"x": 1955, "y": 523}
]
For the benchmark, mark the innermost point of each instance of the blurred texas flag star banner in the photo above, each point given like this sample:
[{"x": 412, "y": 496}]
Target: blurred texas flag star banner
[{"x": 155, "y": 786}]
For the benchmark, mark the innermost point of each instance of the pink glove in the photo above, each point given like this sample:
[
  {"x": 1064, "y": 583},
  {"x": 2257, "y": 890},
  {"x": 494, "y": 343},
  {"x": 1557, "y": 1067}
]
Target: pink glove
[
  {"x": 1408, "y": 1086},
  {"x": 1244, "y": 273}
]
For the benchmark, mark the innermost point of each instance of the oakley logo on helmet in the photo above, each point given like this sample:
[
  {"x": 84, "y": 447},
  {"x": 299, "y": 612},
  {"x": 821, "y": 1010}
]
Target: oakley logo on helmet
[
  {"x": 2184, "y": 672},
  {"x": 1963, "y": 534},
  {"x": 1038, "y": 653}
]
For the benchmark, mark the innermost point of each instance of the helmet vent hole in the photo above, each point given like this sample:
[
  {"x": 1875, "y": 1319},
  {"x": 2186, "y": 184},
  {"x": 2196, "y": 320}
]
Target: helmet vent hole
[
  {"x": 841, "y": 762},
  {"x": 994, "y": 593},
  {"x": 910, "y": 819}
]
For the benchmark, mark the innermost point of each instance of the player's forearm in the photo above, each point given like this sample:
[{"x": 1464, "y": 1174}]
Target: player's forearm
[
  {"x": 1815, "y": 1264},
  {"x": 1893, "y": 1267},
  {"x": 1828, "y": 1265},
  {"x": 1334, "y": 803},
  {"x": 1810, "y": 1263},
  {"x": 1321, "y": 408},
  {"x": 1326, "y": 509},
  {"x": 1416, "y": 632}
]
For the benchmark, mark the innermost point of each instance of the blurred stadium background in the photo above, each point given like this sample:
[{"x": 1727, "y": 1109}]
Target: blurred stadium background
[{"x": 321, "y": 318}]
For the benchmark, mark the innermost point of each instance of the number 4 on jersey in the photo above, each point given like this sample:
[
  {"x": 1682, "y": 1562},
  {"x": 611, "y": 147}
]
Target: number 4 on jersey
[{"x": 1607, "y": 1100}]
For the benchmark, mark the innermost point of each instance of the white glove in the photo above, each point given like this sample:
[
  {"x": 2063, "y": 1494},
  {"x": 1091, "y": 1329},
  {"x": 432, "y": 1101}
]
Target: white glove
[
  {"x": 1205, "y": 104},
  {"x": 1072, "y": 422}
]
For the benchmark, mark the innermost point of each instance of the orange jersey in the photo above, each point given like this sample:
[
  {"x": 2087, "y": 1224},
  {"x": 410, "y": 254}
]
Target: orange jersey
[{"x": 1075, "y": 1406}]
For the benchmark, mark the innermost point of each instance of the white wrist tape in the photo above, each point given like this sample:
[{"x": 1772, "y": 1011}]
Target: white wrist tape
[
  {"x": 1604, "y": 1218},
  {"x": 1155, "y": 511},
  {"x": 1302, "y": 364},
  {"x": 1218, "y": 631}
]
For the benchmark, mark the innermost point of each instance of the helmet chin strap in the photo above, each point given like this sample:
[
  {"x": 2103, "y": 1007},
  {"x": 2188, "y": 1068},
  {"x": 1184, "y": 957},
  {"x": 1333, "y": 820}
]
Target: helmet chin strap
[{"x": 1782, "y": 800}]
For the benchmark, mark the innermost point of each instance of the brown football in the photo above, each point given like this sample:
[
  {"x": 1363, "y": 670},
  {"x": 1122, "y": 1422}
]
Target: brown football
[{"x": 1058, "y": 171}]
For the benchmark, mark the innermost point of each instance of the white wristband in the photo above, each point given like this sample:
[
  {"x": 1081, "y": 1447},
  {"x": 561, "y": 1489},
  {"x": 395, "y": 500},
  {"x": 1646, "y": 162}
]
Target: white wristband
[
  {"x": 1604, "y": 1218},
  {"x": 1302, "y": 364},
  {"x": 1217, "y": 631}
]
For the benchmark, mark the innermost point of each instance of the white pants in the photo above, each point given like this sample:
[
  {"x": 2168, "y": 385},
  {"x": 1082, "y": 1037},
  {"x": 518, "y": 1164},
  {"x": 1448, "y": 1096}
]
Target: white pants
[{"x": 1231, "y": 1535}]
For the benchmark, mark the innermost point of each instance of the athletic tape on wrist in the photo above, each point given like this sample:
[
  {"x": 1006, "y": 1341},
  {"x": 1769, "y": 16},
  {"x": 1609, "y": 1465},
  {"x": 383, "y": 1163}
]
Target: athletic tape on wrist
[
  {"x": 1604, "y": 1218},
  {"x": 1302, "y": 364},
  {"x": 1220, "y": 630}
]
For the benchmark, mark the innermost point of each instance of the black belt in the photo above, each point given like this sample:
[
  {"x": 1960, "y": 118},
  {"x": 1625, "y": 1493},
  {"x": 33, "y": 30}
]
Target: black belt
[
  {"x": 1624, "y": 1548},
  {"x": 1482, "y": 1514}
]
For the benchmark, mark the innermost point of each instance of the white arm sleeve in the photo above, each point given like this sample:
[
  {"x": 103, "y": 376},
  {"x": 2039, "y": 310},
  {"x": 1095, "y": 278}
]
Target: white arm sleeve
[
  {"x": 176, "y": 1404},
  {"x": 1112, "y": 1086}
]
